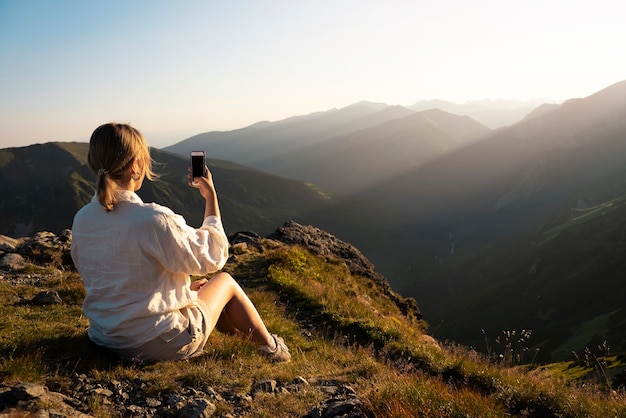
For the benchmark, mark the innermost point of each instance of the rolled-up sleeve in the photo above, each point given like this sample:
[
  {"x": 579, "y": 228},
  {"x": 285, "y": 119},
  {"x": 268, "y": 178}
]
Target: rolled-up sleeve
[
  {"x": 218, "y": 245},
  {"x": 181, "y": 248}
]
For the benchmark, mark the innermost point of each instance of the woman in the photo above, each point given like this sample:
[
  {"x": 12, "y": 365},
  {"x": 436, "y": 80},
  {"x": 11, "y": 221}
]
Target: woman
[{"x": 135, "y": 259}]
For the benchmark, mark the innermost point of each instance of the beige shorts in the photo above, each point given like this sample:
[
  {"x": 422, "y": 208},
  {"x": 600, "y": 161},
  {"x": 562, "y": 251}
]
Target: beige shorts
[{"x": 175, "y": 344}]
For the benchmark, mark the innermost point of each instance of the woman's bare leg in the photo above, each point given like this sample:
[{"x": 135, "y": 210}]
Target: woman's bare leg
[{"x": 231, "y": 309}]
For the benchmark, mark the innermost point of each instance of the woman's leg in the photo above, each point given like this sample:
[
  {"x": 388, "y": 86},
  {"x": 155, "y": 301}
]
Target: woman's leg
[{"x": 231, "y": 309}]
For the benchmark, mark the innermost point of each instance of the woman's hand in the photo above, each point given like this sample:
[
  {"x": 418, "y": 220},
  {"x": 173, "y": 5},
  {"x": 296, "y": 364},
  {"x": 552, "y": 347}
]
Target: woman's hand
[
  {"x": 204, "y": 184},
  {"x": 197, "y": 284},
  {"x": 207, "y": 190}
]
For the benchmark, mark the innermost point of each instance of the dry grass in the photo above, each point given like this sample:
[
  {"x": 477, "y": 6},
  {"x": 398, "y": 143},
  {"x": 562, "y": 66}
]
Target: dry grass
[{"x": 340, "y": 329}]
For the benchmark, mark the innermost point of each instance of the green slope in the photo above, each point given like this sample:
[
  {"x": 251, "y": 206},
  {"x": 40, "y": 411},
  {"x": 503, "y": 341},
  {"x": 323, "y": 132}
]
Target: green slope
[{"x": 42, "y": 186}]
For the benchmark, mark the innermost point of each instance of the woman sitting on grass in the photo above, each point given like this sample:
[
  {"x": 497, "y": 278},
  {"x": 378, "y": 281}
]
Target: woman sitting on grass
[{"x": 135, "y": 259}]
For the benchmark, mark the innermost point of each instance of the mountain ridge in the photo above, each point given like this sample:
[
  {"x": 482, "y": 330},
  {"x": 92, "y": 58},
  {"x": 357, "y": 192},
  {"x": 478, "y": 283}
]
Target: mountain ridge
[{"x": 381, "y": 151}]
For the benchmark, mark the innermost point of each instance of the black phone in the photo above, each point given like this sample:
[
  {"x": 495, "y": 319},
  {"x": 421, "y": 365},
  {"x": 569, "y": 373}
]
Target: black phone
[{"x": 198, "y": 164}]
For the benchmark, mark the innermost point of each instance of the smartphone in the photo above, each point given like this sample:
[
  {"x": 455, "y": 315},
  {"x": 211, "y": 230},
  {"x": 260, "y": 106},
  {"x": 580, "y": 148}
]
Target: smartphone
[{"x": 198, "y": 164}]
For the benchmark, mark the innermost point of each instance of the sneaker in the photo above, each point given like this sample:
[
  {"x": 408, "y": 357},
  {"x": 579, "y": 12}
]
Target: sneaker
[{"x": 279, "y": 353}]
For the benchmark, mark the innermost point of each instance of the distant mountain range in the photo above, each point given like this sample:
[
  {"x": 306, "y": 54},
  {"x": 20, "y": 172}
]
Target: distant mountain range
[
  {"x": 519, "y": 227},
  {"x": 374, "y": 140},
  {"x": 492, "y": 113}
]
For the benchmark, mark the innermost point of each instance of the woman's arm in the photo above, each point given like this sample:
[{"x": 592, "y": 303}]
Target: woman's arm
[{"x": 207, "y": 190}]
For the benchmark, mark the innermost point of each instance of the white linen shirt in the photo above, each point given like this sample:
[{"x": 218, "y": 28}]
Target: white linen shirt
[{"x": 135, "y": 263}]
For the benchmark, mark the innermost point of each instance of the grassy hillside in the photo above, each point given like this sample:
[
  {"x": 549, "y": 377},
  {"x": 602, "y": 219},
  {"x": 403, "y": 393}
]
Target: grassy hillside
[
  {"x": 562, "y": 281},
  {"x": 343, "y": 332},
  {"x": 42, "y": 186}
]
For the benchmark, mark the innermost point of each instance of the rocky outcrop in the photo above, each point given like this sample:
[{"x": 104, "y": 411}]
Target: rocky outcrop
[
  {"x": 43, "y": 249},
  {"x": 324, "y": 244}
]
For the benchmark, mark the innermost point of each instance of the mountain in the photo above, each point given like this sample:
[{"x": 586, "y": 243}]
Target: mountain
[
  {"x": 42, "y": 186},
  {"x": 491, "y": 113},
  {"x": 535, "y": 162},
  {"x": 265, "y": 139},
  {"x": 401, "y": 141},
  {"x": 521, "y": 230},
  {"x": 374, "y": 140}
]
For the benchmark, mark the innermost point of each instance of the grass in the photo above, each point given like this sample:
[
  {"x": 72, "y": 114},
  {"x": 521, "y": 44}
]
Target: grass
[{"x": 341, "y": 330}]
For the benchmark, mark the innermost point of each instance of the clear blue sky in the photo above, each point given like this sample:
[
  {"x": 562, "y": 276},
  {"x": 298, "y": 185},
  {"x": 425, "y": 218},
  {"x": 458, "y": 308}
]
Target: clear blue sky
[{"x": 177, "y": 68}]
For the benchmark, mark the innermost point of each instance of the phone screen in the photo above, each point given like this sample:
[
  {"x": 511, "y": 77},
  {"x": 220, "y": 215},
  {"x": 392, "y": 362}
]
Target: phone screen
[{"x": 198, "y": 163}]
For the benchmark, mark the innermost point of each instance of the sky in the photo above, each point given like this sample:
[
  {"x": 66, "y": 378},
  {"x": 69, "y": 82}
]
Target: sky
[{"x": 174, "y": 69}]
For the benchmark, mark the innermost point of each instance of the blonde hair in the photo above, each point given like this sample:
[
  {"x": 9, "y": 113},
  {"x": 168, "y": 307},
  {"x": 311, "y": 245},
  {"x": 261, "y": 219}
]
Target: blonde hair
[{"x": 112, "y": 149}]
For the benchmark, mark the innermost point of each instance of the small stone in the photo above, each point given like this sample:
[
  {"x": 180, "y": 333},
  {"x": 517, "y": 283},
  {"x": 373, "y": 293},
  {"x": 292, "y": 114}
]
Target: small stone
[
  {"x": 47, "y": 297},
  {"x": 153, "y": 403},
  {"x": 240, "y": 248},
  {"x": 103, "y": 392},
  {"x": 26, "y": 391},
  {"x": 8, "y": 244},
  {"x": 134, "y": 409},
  {"x": 267, "y": 385},
  {"x": 198, "y": 408},
  {"x": 12, "y": 261},
  {"x": 176, "y": 401},
  {"x": 340, "y": 408}
]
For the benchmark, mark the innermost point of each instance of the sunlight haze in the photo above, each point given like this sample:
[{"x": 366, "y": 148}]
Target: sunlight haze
[{"x": 175, "y": 69}]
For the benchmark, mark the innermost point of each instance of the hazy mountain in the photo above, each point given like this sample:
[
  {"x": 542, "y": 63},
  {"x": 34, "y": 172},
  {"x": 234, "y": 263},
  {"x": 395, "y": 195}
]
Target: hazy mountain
[
  {"x": 266, "y": 139},
  {"x": 547, "y": 192},
  {"x": 255, "y": 144},
  {"x": 543, "y": 157},
  {"x": 42, "y": 186},
  {"x": 402, "y": 141},
  {"x": 491, "y": 113},
  {"x": 342, "y": 150}
]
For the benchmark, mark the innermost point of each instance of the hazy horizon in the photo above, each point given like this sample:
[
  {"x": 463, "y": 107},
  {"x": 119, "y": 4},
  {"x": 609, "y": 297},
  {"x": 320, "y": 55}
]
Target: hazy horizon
[{"x": 178, "y": 69}]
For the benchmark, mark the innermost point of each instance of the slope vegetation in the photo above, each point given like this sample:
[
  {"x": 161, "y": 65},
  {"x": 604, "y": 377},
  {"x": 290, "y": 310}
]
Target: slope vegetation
[
  {"x": 42, "y": 186},
  {"x": 354, "y": 351}
]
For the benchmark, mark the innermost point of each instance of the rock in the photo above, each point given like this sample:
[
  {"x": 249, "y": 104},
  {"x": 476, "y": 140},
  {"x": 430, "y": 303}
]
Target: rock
[
  {"x": 27, "y": 391},
  {"x": 245, "y": 237},
  {"x": 267, "y": 385},
  {"x": 47, "y": 249},
  {"x": 198, "y": 408},
  {"x": 28, "y": 399},
  {"x": 47, "y": 297},
  {"x": 341, "y": 407},
  {"x": 239, "y": 248},
  {"x": 103, "y": 392},
  {"x": 9, "y": 244},
  {"x": 12, "y": 261},
  {"x": 344, "y": 403},
  {"x": 153, "y": 403}
]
